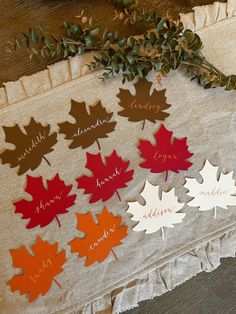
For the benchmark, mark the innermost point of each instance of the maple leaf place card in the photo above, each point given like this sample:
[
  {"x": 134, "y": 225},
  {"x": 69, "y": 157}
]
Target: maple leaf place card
[
  {"x": 100, "y": 238},
  {"x": 144, "y": 105},
  {"x": 88, "y": 127},
  {"x": 39, "y": 268},
  {"x": 212, "y": 193},
  {"x": 166, "y": 155},
  {"x": 46, "y": 203},
  {"x": 30, "y": 146},
  {"x": 157, "y": 213}
]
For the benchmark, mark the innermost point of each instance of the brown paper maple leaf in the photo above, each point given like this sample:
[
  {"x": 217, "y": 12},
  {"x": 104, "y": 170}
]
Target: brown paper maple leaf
[
  {"x": 88, "y": 127},
  {"x": 143, "y": 106},
  {"x": 30, "y": 147}
]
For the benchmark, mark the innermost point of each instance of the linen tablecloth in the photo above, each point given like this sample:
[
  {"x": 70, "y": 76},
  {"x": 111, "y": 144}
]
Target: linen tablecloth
[{"x": 148, "y": 266}]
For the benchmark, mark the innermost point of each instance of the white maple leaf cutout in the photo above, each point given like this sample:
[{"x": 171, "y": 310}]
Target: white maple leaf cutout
[
  {"x": 212, "y": 193},
  {"x": 157, "y": 212}
]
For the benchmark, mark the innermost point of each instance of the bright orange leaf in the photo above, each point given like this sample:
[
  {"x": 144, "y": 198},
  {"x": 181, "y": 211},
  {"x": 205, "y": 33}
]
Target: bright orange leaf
[
  {"x": 39, "y": 269},
  {"x": 99, "y": 238}
]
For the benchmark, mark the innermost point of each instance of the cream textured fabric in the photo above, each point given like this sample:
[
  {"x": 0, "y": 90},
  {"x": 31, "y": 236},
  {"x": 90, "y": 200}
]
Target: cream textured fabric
[{"x": 148, "y": 266}]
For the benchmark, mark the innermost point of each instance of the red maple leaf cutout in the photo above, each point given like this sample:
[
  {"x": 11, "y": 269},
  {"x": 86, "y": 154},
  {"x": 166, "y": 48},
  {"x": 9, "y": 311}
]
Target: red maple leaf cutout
[
  {"x": 99, "y": 238},
  {"x": 39, "y": 269},
  {"x": 47, "y": 202},
  {"x": 107, "y": 177},
  {"x": 167, "y": 155}
]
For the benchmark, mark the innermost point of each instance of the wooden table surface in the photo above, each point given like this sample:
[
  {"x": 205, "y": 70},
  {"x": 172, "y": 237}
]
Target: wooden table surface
[
  {"x": 206, "y": 293},
  {"x": 18, "y": 16}
]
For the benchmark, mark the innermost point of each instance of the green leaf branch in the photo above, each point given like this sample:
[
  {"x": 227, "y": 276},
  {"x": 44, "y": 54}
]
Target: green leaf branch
[{"x": 164, "y": 46}]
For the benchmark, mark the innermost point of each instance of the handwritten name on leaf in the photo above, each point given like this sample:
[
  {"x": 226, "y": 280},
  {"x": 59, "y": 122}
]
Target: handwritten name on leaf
[
  {"x": 143, "y": 106},
  {"x": 100, "y": 237},
  {"x": 88, "y": 127},
  {"x": 46, "y": 203},
  {"x": 39, "y": 269},
  {"x": 166, "y": 155},
  {"x": 212, "y": 193},
  {"x": 31, "y": 146},
  {"x": 157, "y": 212},
  {"x": 107, "y": 177}
]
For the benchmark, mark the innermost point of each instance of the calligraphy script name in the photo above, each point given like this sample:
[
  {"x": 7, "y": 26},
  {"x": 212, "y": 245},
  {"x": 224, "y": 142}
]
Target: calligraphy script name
[
  {"x": 214, "y": 192},
  {"x": 45, "y": 204},
  {"x": 154, "y": 213},
  {"x": 34, "y": 144},
  {"x": 106, "y": 234},
  {"x": 97, "y": 124},
  {"x": 45, "y": 264},
  {"x": 134, "y": 105},
  {"x": 165, "y": 157},
  {"x": 101, "y": 182}
]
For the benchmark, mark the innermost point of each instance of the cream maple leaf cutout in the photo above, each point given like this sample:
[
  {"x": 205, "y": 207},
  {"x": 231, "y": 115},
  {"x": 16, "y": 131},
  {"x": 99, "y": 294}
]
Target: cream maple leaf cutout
[
  {"x": 212, "y": 193},
  {"x": 157, "y": 212}
]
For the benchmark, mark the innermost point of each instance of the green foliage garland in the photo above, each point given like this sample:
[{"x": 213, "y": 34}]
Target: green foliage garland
[{"x": 164, "y": 46}]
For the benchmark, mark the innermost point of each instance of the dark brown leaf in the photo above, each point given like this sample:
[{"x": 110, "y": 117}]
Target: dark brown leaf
[
  {"x": 143, "y": 106},
  {"x": 88, "y": 127},
  {"x": 31, "y": 146}
]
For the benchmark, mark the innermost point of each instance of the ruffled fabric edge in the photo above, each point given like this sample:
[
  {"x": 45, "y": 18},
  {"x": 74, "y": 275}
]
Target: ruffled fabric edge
[
  {"x": 55, "y": 75},
  {"x": 203, "y": 16},
  {"x": 76, "y": 67},
  {"x": 204, "y": 257}
]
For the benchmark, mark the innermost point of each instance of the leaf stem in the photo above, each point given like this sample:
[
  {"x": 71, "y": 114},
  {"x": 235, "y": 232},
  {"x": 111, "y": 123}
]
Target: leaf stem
[
  {"x": 58, "y": 221},
  {"x": 162, "y": 233},
  {"x": 46, "y": 161},
  {"x": 57, "y": 283},
  {"x": 166, "y": 175},
  {"x": 203, "y": 58},
  {"x": 113, "y": 252},
  {"x": 143, "y": 124},
  {"x": 117, "y": 193},
  {"x": 196, "y": 65},
  {"x": 99, "y": 146},
  {"x": 215, "y": 212}
]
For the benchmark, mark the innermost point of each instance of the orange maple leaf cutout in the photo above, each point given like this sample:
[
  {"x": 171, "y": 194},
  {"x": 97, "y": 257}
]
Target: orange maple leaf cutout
[
  {"x": 143, "y": 106},
  {"x": 88, "y": 127},
  {"x": 100, "y": 237},
  {"x": 39, "y": 269},
  {"x": 30, "y": 146}
]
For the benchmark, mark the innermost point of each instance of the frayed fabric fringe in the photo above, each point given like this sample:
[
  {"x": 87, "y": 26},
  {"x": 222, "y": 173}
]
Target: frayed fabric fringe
[{"x": 205, "y": 257}]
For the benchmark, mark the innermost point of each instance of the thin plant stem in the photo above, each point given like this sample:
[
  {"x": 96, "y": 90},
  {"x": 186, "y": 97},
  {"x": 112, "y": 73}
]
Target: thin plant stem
[
  {"x": 166, "y": 175},
  {"x": 143, "y": 124},
  {"x": 162, "y": 233},
  {"x": 57, "y": 283},
  {"x": 117, "y": 193},
  {"x": 99, "y": 146},
  {"x": 58, "y": 221},
  {"x": 46, "y": 161},
  {"x": 113, "y": 252},
  {"x": 215, "y": 212}
]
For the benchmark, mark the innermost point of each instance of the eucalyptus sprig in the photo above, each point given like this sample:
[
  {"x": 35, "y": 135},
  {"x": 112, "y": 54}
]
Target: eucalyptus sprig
[{"x": 164, "y": 46}]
